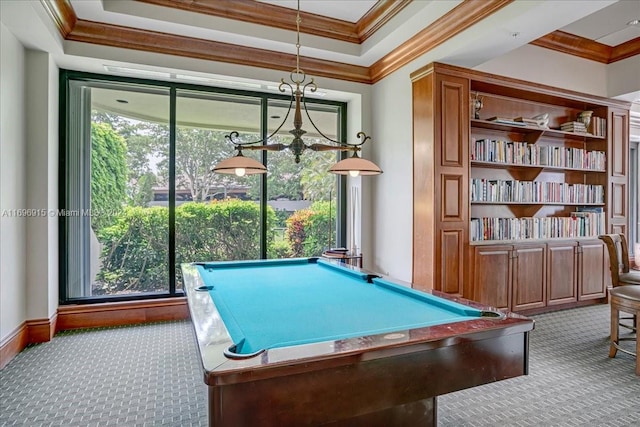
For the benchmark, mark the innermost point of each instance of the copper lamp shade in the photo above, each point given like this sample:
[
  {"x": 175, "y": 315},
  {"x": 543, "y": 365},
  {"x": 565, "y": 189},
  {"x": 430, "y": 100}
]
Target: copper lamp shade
[
  {"x": 240, "y": 166},
  {"x": 355, "y": 166}
]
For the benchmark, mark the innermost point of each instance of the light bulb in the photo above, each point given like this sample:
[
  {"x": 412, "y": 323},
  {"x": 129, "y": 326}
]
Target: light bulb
[
  {"x": 354, "y": 173},
  {"x": 241, "y": 171}
]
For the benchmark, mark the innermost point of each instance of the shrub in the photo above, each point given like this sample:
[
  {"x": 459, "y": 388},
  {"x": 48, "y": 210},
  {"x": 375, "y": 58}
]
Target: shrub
[
  {"x": 309, "y": 231},
  {"x": 135, "y": 251}
]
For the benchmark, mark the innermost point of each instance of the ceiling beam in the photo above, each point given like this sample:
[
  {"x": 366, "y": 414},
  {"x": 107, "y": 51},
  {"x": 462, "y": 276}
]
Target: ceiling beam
[
  {"x": 449, "y": 25},
  {"x": 281, "y": 17},
  {"x": 625, "y": 50},
  {"x": 171, "y": 44},
  {"x": 571, "y": 44},
  {"x": 62, "y": 14}
]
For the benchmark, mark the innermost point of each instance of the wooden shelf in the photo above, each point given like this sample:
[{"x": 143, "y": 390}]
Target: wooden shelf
[
  {"x": 498, "y": 165},
  {"x": 533, "y": 241},
  {"x": 535, "y": 203},
  {"x": 526, "y": 129}
]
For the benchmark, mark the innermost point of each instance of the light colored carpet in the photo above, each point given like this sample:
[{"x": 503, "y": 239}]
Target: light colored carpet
[{"x": 150, "y": 375}]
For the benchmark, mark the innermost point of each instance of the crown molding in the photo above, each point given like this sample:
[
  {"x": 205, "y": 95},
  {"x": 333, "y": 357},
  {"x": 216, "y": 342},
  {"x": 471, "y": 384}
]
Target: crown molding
[
  {"x": 571, "y": 44},
  {"x": 625, "y": 50},
  {"x": 280, "y": 17},
  {"x": 377, "y": 16},
  {"x": 171, "y": 44},
  {"x": 62, "y": 14},
  {"x": 266, "y": 14},
  {"x": 454, "y": 22}
]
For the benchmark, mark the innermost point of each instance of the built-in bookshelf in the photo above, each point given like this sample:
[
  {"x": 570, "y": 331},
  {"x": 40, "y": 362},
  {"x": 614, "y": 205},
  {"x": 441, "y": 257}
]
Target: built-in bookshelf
[{"x": 513, "y": 182}]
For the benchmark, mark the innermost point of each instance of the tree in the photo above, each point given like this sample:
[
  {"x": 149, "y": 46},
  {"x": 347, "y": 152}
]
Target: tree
[
  {"x": 108, "y": 172},
  {"x": 317, "y": 182},
  {"x": 147, "y": 143},
  {"x": 197, "y": 151}
]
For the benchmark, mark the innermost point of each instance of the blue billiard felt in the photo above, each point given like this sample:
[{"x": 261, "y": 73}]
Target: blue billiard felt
[{"x": 275, "y": 304}]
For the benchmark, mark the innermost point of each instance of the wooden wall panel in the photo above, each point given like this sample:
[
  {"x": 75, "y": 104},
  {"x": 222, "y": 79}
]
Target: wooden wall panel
[
  {"x": 13, "y": 344},
  {"x": 452, "y": 203},
  {"x": 618, "y": 205},
  {"x": 423, "y": 183},
  {"x": 453, "y": 129},
  {"x": 452, "y": 257},
  {"x": 619, "y": 152},
  {"x": 121, "y": 313}
]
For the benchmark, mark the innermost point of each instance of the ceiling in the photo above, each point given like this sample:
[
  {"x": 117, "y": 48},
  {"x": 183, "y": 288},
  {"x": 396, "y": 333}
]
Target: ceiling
[{"x": 354, "y": 40}]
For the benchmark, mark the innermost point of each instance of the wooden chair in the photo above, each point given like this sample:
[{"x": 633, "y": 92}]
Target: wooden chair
[
  {"x": 627, "y": 299},
  {"x": 619, "y": 266},
  {"x": 619, "y": 260}
]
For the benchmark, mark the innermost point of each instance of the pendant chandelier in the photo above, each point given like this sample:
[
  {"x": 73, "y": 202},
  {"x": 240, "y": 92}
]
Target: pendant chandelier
[{"x": 241, "y": 165}]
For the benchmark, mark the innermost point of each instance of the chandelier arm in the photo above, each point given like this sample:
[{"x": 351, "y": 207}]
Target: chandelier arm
[
  {"x": 363, "y": 137},
  {"x": 233, "y": 136},
  {"x": 266, "y": 147},
  {"x": 326, "y": 147}
]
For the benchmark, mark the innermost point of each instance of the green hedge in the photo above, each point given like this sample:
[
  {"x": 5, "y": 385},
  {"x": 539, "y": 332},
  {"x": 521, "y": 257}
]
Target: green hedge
[
  {"x": 308, "y": 230},
  {"x": 135, "y": 255}
]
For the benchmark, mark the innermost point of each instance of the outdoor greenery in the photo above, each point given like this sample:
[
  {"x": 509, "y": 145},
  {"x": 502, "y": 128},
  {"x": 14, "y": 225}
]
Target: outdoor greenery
[
  {"x": 108, "y": 172},
  {"x": 309, "y": 231},
  {"x": 130, "y": 161},
  {"x": 135, "y": 248}
]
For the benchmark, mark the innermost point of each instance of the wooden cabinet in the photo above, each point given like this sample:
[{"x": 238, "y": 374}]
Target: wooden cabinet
[
  {"x": 529, "y": 281},
  {"x": 562, "y": 273},
  {"x": 498, "y": 201},
  {"x": 593, "y": 270},
  {"x": 493, "y": 275},
  {"x": 510, "y": 276}
]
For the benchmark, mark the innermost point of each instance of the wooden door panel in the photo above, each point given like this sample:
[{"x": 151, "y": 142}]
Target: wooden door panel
[
  {"x": 562, "y": 277},
  {"x": 593, "y": 266},
  {"x": 492, "y": 275},
  {"x": 529, "y": 277}
]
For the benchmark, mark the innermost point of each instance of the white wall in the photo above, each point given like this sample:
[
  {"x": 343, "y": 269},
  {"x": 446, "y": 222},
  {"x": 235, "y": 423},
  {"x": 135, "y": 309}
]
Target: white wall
[
  {"x": 42, "y": 184},
  {"x": 13, "y": 229},
  {"x": 624, "y": 77},
  {"x": 392, "y": 200},
  {"x": 567, "y": 72}
]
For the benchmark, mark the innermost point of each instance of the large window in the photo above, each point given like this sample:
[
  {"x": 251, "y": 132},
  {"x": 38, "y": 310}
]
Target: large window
[{"x": 139, "y": 196}]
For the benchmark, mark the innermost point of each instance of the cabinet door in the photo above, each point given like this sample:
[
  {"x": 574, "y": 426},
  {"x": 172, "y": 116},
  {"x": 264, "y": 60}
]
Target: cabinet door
[
  {"x": 562, "y": 273},
  {"x": 593, "y": 268},
  {"x": 529, "y": 277},
  {"x": 492, "y": 275}
]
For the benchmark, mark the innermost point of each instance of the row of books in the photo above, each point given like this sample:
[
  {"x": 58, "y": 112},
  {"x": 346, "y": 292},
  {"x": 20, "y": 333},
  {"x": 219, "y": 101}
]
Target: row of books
[
  {"x": 523, "y": 153},
  {"x": 495, "y": 190},
  {"x": 598, "y": 126},
  {"x": 577, "y": 127},
  {"x": 579, "y": 224}
]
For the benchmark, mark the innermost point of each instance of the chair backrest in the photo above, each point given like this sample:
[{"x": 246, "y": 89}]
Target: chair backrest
[{"x": 618, "y": 255}]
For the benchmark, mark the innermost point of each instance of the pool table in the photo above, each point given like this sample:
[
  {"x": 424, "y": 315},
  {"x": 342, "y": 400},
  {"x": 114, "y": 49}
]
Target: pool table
[{"x": 312, "y": 342}]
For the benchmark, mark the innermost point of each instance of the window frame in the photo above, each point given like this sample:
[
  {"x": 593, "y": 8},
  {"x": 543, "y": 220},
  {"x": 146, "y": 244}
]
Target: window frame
[{"x": 66, "y": 77}]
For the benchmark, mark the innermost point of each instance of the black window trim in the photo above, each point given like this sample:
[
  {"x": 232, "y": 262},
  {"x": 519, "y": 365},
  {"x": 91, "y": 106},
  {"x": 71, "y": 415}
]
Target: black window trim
[{"x": 66, "y": 76}]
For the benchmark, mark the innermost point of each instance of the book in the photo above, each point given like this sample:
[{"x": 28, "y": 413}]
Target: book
[
  {"x": 506, "y": 121},
  {"x": 530, "y": 122}
]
